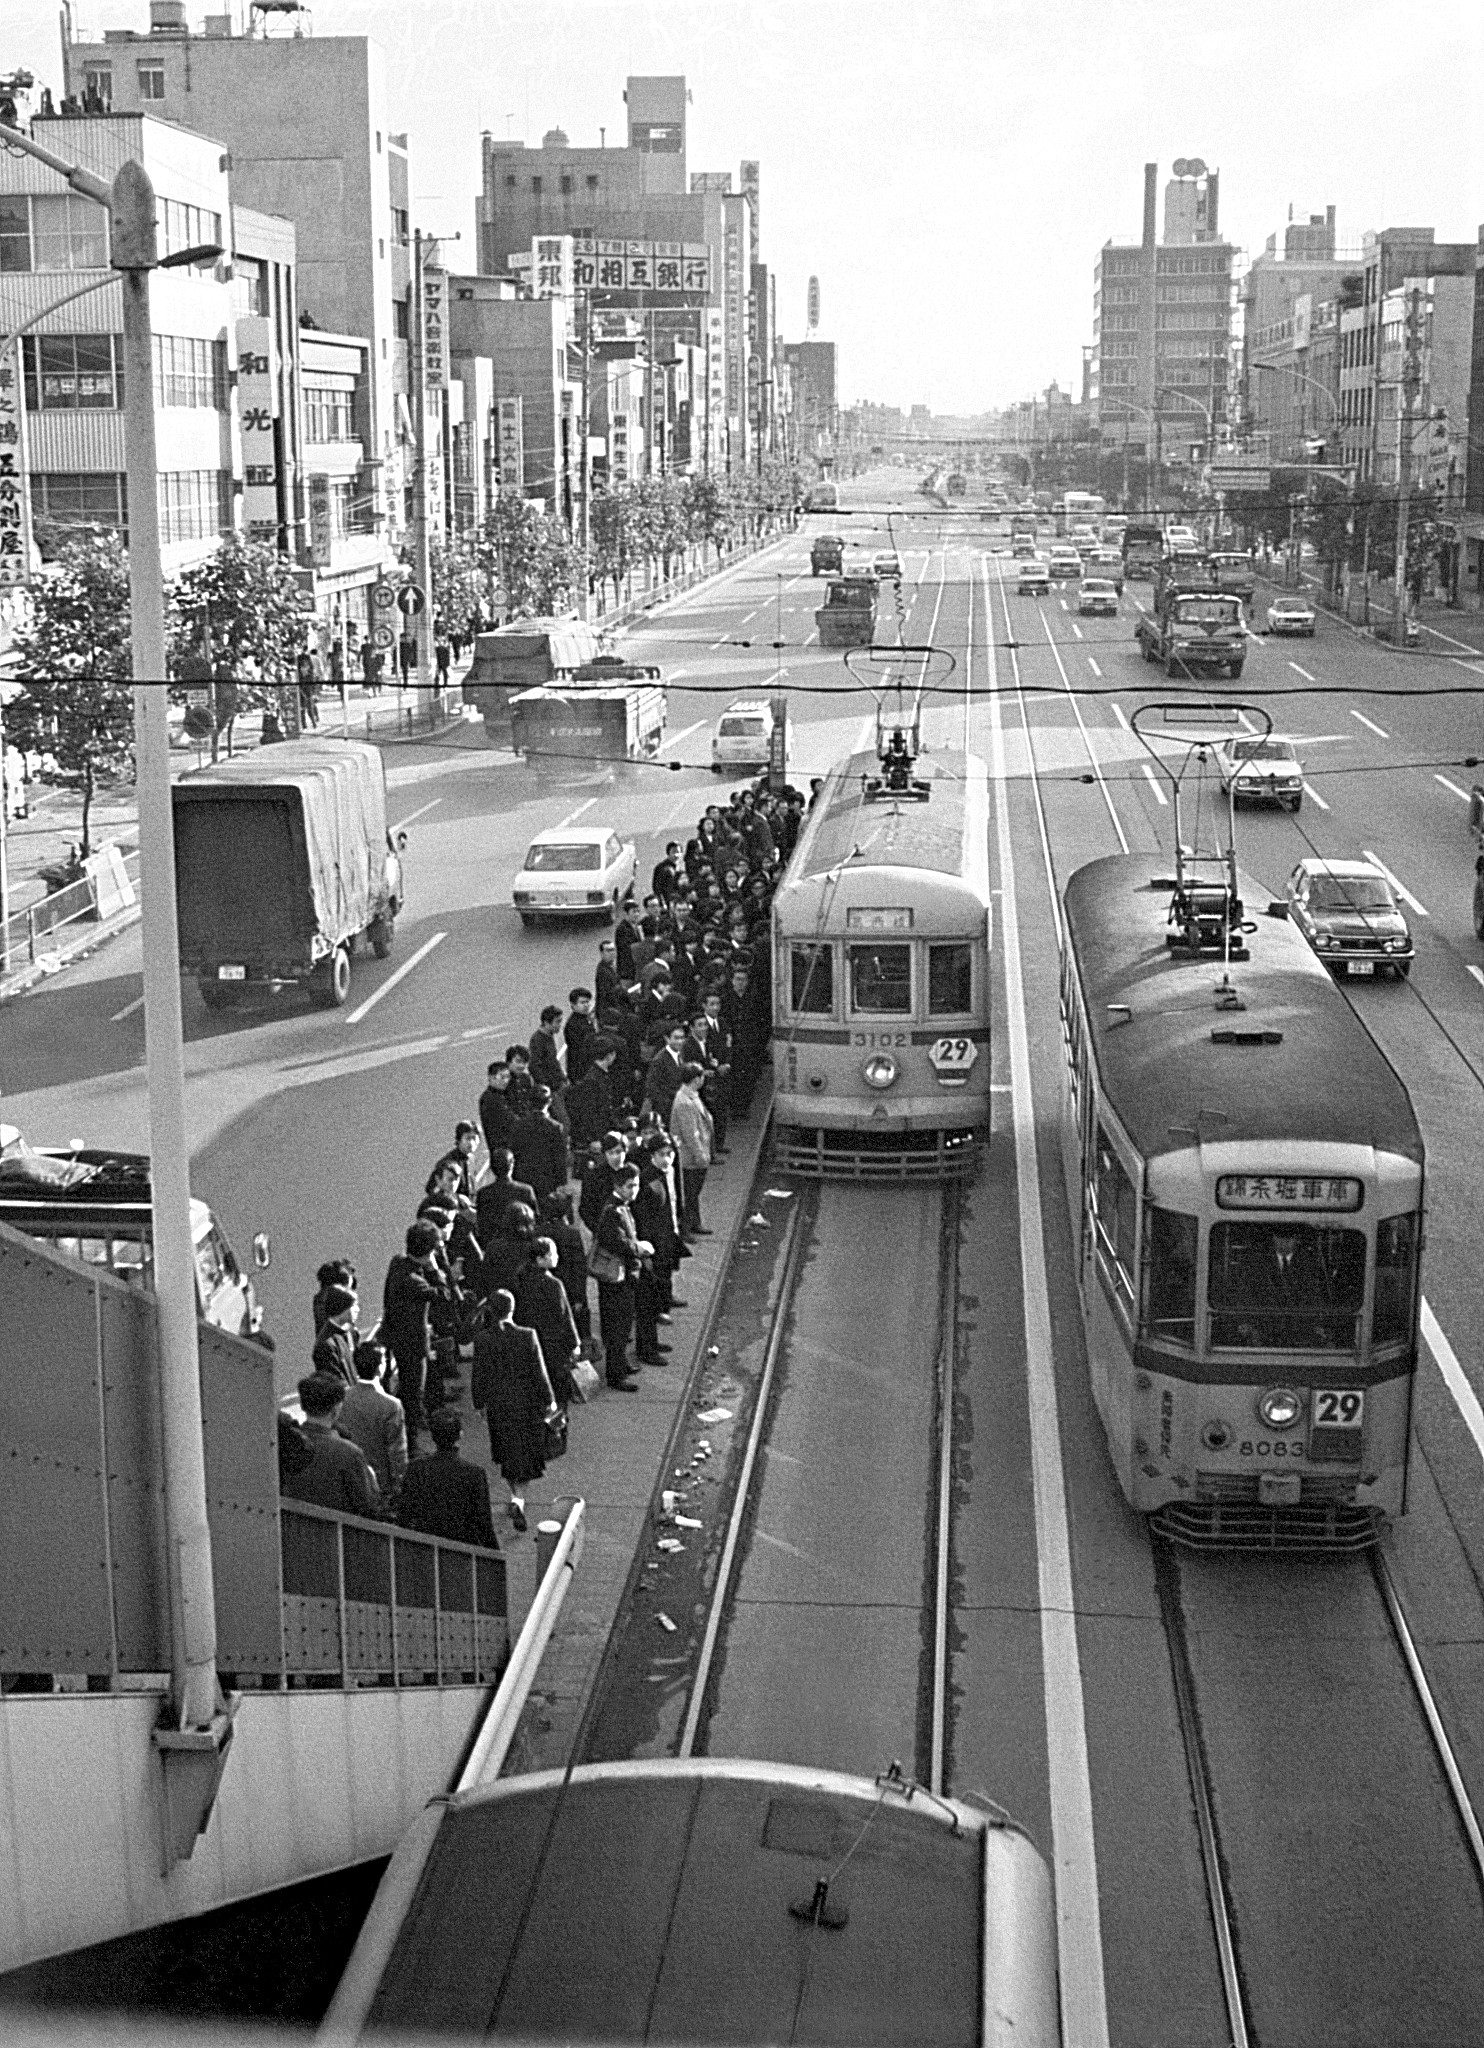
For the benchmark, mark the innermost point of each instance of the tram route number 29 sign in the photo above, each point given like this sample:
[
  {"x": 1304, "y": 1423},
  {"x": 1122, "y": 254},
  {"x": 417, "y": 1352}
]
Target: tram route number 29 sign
[{"x": 952, "y": 1059}]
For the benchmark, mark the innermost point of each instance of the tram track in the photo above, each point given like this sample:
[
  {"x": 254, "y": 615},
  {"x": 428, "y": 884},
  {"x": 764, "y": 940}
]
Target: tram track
[
  {"x": 808, "y": 1537},
  {"x": 1386, "y": 1950}
]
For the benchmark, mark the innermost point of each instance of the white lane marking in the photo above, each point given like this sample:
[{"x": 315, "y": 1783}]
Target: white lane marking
[
  {"x": 683, "y": 734},
  {"x": 1453, "y": 786},
  {"x": 421, "y": 812},
  {"x": 1076, "y": 629},
  {"x": 1311, "y": 792},
  {"x": 1063, "y": 604},
  {"x": 572, "y": 816},
  {"x": 127, "y": 1011},
  {"x": 1099, "y": 674},
  {"x": 1370, "y": 725},
  {"x": 1478, "y": 974},
  {"x": 1154, "y": 782},
  {"x": 1084, "y": 1998},
  {"x": 1405, "y": 894},
  {"x": 1097, "y": 767},
  {"x": 1302, "y": 672},
  {"x": 675, "y": 674},
  {"x": 1454, "y": 1377},
  {"x": 392, "y": 979},
  {"x": 1118, "y": 713}
]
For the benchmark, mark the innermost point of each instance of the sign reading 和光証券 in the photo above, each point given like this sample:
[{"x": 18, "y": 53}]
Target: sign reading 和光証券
[{"x": 15, "y": 500}]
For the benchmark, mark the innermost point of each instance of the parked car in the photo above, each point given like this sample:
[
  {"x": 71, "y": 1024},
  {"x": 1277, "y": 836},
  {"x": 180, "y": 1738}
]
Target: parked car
[
  {"x": 1291, "y": 615},
  {"x": 1261, "y": 768},
  {"x": 1033, "y": 576},
  {"x": 1348, "y": 912},
  {"x": 574, "y": 871},
  {"x": 1097, "y": 596}
]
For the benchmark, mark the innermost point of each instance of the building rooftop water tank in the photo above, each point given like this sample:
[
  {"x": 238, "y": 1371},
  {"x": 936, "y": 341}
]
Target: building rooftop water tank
[{"x": 555, "y": 138}]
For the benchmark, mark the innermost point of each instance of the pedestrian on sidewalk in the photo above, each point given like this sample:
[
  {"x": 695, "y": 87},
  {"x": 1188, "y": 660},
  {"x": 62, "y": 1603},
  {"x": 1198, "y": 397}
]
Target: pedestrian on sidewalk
[
  {"x": 692, "y": 1129},
  {"x": 442, "y": 656},
  {"x": 374, "y": 1420},
  {"x": 513, "y": 1390},
  {"x": 614, "y": 1264},
  {"x": 407, "y": 654},
  {"x": 444, "y": 1494}
]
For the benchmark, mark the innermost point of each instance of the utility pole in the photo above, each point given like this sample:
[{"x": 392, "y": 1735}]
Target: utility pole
[
  {"x": 1411, "y": 378},
  {"x": 584, "y": 471}
]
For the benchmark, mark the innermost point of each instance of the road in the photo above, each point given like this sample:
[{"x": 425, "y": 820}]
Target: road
[{"x": 317, "y": 1126}]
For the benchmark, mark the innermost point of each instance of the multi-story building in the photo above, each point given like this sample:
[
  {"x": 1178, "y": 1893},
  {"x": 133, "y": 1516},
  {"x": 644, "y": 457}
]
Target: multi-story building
[
  {"x": 1285, "y": 404},
  {"x": 536, "y": 403},
  {"x": 303, "y": 119},
  {"x": 812, "y": 368},
  {"x": 1471, "y": 523},
  {"x": 54, "y": 243},
  {"x": 1405, "y": 354},
  {"x": 1162, "y": 322}
]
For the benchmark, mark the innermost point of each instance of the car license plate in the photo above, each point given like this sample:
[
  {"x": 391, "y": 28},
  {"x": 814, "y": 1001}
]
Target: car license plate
[
  {"x": 231, "y": 974},
  {"x": 1362, "y": 966}
]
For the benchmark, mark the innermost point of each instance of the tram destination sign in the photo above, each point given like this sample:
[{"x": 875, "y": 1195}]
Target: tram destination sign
[{"x": 1288, "y": 1191}]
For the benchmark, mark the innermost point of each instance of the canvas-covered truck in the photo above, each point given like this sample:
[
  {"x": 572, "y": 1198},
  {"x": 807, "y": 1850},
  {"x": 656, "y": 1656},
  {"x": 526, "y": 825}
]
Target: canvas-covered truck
[
  {"x": 847, "y": 618},
  {"x": 1193, "y": 626},
  {"x": 283, "y": 863},
  {"x": 1143, "y": 548},
  {"x": 826, "y": 554},
  {"x": 525, "y": 655},
  {"x": 608, "y": 710}
]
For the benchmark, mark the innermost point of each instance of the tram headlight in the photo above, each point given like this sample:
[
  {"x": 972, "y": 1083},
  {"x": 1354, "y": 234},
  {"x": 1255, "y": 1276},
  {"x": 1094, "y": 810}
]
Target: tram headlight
[
  {"x": 1279, "y": 1407},
  {"x": 879, "y": 1071}
]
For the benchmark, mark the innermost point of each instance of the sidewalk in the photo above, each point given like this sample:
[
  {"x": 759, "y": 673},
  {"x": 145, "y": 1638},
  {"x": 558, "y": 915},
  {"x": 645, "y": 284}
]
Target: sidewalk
[{"x": 1446, "y": 629}]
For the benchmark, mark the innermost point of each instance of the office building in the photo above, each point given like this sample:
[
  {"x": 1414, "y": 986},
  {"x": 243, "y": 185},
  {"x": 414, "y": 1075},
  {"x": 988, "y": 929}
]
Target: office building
[
  {"x": 1405, "y": 351},
  {"x": 1162, "y": 322},
  {"x": 1289, "y": 400}
]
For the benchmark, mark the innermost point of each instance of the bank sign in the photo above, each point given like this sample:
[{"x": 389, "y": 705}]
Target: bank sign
[{"x": 678, "y": 267}]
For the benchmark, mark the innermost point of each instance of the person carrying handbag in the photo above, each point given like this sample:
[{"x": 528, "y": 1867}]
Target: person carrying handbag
[{"x": 513, "y": 1390}]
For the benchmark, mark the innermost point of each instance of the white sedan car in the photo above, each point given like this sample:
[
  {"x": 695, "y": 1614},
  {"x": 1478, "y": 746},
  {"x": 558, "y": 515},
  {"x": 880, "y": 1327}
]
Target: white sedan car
[
  {"x": 574, "y": 871},
  {"x": 1291, "y": 615},
  {"x": 1261, "y": 768}
]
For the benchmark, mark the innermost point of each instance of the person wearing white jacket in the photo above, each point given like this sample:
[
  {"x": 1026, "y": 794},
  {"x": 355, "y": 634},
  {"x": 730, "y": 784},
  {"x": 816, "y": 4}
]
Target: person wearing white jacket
[{"x": 692, "y": 1129}]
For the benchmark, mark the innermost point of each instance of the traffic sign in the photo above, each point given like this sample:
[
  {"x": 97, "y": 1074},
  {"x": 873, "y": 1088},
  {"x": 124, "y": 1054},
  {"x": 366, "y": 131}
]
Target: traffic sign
[
  {"x": 383, "y": 637},
  {"x": 410, "y": 600},
  {"x": 1239, "y": 476},
  {"x": 383, "y": 596}
]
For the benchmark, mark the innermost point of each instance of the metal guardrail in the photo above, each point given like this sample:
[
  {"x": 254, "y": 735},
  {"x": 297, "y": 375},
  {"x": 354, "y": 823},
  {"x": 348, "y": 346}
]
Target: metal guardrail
[
  {"x": 368, "y": 1601},
  {"x": 62, "y": 923}
]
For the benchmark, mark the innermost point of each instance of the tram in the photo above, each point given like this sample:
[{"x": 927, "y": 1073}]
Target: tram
[
  {"x": 881, "y": 930},
  {"x": 1245, "y": 1177},
  {"x": 707, "y": 1900}
]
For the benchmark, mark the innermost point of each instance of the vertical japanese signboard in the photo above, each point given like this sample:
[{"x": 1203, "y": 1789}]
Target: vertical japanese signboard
[
  {"x": 15, "y": 501},
  {"x": 321, "y": 521},
  {"x": 435, "y": 329},
  {"x": 512, "y": 446},
  {"x": 552, "y": 267},
  {"x": 751, "y": 179},
  {"x": 734, "y": 298},
  {"x": 257, "y": 406}
]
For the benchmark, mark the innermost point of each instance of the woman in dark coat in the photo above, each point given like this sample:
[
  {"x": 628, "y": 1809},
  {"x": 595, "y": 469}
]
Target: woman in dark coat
[
  {"x": 541, "y": 1305},
  {"x": 511, "y": 1385}
]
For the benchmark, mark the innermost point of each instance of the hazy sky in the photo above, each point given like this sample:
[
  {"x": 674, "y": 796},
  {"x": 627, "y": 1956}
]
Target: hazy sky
[{"x": 948, "y": 168}]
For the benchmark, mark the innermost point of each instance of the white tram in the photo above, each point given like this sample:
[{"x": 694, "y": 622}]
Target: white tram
[
  {"x": 881, "y": 931},
  {"x": 1245, "y": 1174}
]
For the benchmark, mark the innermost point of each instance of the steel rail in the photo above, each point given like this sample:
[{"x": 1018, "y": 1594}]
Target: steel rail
[
  {"x": 788, "y": 1281},
  {"x": 1167, "y": 1583},
  {"x": 1463, "y": 1805},
  {"x": 947, "y": 1355}
]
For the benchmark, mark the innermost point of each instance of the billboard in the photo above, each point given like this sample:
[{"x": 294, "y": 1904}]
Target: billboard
[
  {"x": 435, "y": 329},
  {"x": 257, "y": 408},
  {"x": 677, "y": 267},
  {"x": 551, "y": 272},
  {"x": 321, "y": 521},
  {"x": 751, "y": 179},
  {"x": 15, "y": 491},
  {"x": 512, "y": 446}
]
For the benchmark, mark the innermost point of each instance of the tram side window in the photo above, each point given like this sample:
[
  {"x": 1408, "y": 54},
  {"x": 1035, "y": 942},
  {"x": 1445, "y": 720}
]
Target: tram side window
[
  {"x": 1170, "y": 1305},
  {"x": 1117, "y": 1217},
  {"x": 950, "y": 981},
  {"x": 1396, "y": 1257},
  {"x": 881, "y": 981},
  {"x": 812, "y": 980}
]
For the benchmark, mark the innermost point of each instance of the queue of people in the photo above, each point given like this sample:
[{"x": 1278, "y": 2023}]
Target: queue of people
[{"x": 597, "y": 1137}]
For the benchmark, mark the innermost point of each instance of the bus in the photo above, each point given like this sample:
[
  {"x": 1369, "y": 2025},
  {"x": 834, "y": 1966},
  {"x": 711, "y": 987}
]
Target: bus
[
  {"x": 823, "y": 497},
  {"x": 1083, "y": 508},
  {"x": 1245, "y": 1177}
]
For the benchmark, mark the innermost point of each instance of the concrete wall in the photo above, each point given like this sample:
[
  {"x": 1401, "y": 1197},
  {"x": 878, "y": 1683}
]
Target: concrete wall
[{"x": 315, "y": 1781}]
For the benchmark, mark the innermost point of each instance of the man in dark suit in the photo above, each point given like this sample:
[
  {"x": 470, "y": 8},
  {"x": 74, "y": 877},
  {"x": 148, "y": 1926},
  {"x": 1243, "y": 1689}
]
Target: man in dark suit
[
  {"x": 590, "y": 1103},
  {"x": 443, "y": 1494},
  {"x": 541, "y": 1148},
  {"x": 546, "y": 1058},
  {"x": 497, "y": 1113},
  {"x": 580, "y": 1035},
  {"x": 337, "y": 1475},
  {"x": 663, "y": 1078},
  {"x": 499, "y": 1192}
]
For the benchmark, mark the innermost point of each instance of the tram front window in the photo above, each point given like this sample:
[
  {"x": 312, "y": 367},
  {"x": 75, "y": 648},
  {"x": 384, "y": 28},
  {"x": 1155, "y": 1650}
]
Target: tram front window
[
  {"x": 881, "y": 981},
  {"x": 1396, "y": 1258},
  {"x": 950, "y": 981},
  {"x": 811, "y": 973},
  {"x": 1286, "y": 1286},
  {"x": 1170, "y": 1302}
]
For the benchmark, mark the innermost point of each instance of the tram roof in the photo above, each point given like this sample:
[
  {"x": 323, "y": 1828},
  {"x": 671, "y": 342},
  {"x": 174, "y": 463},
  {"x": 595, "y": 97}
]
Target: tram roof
[
  {"x": 845, "y": 827},
  {"x": 1325, "y": 1080},
  {"x": 638, "y": 1902}
]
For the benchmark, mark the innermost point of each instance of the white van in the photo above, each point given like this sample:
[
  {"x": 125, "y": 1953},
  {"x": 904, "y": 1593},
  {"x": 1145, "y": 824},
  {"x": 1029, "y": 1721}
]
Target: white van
[{"x": 744, "y": 737}]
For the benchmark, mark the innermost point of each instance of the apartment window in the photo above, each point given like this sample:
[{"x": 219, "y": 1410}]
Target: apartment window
[
  {"x": 190, "y": 372},
  {"x": 187, "y": 227},
  {"x": 510, "y": 181},
  {"x": 592, "y": 181},
  {"x": 15, "y": 232},
  {"x": 195, "y": 504},
  {"x": 401, "y": 225},
  {"x": 97, "y": 83},
  {"x": 327, "y": 414},
  {"x": 566, "y": 181},
  {"x": 88, "y": 498},
  {"x": 401, "y": 317},
  {"x": 535, "y": 184},
  {"x": 151, "y": 81},
  {"x": 67, "y": 233},
  {"x": 72, "y": 372}
]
